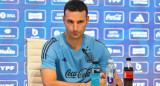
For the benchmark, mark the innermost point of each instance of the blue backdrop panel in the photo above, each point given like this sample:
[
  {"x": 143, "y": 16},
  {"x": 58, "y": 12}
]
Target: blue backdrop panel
[{"x": 129, "y": 28}]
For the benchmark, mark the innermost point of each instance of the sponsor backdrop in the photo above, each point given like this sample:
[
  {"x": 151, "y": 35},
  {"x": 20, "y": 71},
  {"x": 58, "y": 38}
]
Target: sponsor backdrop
[{"x": 129, "y": 28}]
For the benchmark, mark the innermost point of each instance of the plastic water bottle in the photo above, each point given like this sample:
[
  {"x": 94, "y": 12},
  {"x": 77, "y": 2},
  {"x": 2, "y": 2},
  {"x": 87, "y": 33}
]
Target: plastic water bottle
[
  {"x": 110, "y": 74},
  {"x": 95, "y": 74}
]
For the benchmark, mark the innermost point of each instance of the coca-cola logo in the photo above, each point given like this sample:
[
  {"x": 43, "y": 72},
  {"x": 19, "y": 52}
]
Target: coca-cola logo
[{"x": 85, "y": 72}]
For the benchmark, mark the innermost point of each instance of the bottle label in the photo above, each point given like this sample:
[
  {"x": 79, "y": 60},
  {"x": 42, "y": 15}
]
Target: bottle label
[
  {"x": 109, "y": 80},
  {"x": 95, "y": 70},
  {"x": 128, "y": 74}
]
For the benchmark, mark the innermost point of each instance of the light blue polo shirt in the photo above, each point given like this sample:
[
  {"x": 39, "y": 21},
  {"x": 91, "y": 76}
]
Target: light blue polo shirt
[{"x": 71, "y": 65}]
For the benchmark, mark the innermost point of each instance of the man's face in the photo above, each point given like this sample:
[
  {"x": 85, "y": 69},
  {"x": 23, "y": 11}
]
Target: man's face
[{"x": 75, "y": 23}]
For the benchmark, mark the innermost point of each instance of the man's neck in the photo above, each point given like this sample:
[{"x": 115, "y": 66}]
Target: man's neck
[{"x": 74, "y": 43}]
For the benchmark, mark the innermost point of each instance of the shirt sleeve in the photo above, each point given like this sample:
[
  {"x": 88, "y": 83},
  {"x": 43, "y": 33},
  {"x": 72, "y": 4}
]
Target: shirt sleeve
[
  {"x": 105, "y": 56},
  {"x": 48, "y": 57}
]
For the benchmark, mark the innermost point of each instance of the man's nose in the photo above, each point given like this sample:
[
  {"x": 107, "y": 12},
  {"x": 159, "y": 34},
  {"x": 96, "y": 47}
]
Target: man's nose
[{"x": 75, "y": 27}]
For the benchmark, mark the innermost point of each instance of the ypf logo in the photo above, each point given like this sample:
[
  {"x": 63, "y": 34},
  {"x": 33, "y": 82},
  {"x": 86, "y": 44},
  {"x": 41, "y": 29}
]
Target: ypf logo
[
  {"x": 8, "y": 83},
  {"x": 8, "y": 67},
  {"x": 140, "y": 82},
  {"x": 114, "y": 3}
]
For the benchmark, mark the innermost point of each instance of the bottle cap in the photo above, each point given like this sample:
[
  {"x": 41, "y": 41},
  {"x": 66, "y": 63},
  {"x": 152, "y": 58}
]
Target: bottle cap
[
  {"x": 95, "y": 62},
  {"x": 128, "y": 59},
  {"x": 110, "y": 61}
]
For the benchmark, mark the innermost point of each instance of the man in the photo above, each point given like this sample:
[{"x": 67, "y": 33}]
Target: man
[{"x": 67, "y": 58}]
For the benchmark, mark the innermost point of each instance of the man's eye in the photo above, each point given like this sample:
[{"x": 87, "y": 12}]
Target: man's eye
[
  {"x": 80, "y": 21},
  {"x": 70, "y": 21}
]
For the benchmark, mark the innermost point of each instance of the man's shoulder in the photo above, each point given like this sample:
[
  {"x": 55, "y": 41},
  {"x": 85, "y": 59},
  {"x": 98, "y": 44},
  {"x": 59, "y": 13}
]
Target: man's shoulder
[
  {"x": 88, "y": 38},
  {"x": 51, "y": 42},
  {"x": 93, "y": 41},
  {"x": 54, "y": 40},
  {"x": 100, "y": 43}
]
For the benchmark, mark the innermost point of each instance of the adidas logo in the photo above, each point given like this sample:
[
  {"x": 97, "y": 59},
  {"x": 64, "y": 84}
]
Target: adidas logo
[{"x": 139, "y": 18}]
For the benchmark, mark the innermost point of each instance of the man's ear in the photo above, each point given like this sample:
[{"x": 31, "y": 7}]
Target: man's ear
[
  {"x": 64, "y": 19},
  {"x": 87, "y": 19}
]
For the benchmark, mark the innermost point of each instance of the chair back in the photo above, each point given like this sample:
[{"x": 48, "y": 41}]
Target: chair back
[{"x": 34, "y": 49}]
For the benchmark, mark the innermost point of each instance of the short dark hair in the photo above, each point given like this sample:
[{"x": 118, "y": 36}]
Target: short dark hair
[{"x": 76, "y": 5}]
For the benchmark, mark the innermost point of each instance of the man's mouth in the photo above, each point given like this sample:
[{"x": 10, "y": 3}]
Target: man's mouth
[{"x": 75, "y": 33}]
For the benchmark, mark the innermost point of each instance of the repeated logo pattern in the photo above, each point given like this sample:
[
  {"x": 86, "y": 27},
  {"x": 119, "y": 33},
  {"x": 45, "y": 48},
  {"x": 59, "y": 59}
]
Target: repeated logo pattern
[{"x": 128, "y": 28}]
